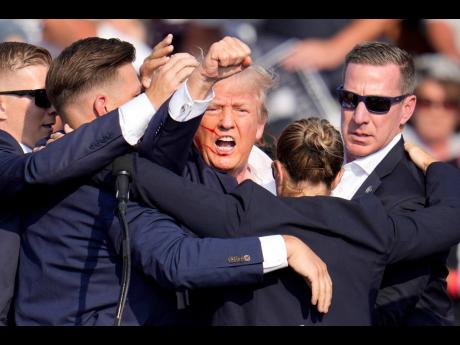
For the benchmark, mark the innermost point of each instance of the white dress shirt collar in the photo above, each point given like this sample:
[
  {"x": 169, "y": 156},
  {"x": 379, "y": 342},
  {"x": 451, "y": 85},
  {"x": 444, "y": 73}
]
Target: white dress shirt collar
[
  {"x": 369, "y": 163},
  {"x": 25, "y": 148}
]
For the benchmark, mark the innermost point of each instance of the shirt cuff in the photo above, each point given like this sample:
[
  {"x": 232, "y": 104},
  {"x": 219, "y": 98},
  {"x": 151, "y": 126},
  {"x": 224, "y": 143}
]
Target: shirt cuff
[
  {"x": 182, "y": 108},
  {"x": 135, "y": 117},
  {"x": 274, "y": 253}
]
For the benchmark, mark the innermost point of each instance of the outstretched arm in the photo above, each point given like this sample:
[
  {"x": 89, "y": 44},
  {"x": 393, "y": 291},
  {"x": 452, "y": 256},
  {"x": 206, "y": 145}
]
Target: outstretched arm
[
  {"x": 250, "y": 210},
  {"x": 176, "y": 258},
  {"x": 79, "y": 153}
]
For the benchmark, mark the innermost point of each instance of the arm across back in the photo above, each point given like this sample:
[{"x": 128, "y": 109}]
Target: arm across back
[
  {"x": 80, "y": 153},
  {"x": 251, "y": 210},
  {"x": 175, "y": 258}
]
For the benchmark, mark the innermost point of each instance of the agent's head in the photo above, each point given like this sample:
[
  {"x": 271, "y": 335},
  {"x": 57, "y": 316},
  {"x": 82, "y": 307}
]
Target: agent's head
[
  {"x": 25, "y": 111},
  {"x": 437, "y": 112},
  {"x": 376, "y": 98},
  {"x": 309, "y": 158},
  {"x": 234, "y": 121},
  {"x": 91, "y": 77}
]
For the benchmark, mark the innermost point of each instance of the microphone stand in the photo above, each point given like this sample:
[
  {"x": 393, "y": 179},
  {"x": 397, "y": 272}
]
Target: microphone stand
[{"x": 126, "y": 275}]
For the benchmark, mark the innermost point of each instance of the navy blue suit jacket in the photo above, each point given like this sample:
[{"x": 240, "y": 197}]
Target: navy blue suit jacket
[
  {"x": 412, "y": 293},
  {"x": 79, "y": 153},
  {"x": 355, "y": 238},
  {"x": 70, "y": 267}
]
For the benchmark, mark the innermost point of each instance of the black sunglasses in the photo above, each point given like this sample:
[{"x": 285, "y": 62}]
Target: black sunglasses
[
  {"x": 374, "y": 104},
  {"x": 41, "y": 99}
]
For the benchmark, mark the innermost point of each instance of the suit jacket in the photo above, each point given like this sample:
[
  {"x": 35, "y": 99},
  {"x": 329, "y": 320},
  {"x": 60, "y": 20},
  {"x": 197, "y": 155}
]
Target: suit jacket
[
  {"x": 79, "y": 153},
  {"x": 353, "y": 238},
  {"x": 412, "y": 293},
  {"x": 70, "y": 267}
]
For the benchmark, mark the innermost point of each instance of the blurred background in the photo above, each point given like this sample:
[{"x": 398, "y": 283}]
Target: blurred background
[{"x": 306, "y": 55}]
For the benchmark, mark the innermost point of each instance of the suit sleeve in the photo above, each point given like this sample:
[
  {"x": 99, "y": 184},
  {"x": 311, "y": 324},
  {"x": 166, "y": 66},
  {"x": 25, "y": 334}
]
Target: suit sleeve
[
  {"x": 80, "y": 153},
  {"x": 250, "y": 210},
  {"x": 167, "y": 142},
  {"x": 175, "y": 258},
  {"x": 434, "y": 228}
]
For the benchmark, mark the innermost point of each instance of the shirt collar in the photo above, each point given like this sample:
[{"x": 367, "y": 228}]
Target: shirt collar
[
  {"x": 369, "y": 163},
  {"x": 25, "y": 148}
]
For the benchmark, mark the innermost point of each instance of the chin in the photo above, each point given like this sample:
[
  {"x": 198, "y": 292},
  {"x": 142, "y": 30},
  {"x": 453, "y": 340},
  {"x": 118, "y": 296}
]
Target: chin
[{"x": 360, "y": 150}]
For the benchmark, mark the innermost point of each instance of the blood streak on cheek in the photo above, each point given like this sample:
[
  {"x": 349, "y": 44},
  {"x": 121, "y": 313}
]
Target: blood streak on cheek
[{"x": 213, "y": 131}]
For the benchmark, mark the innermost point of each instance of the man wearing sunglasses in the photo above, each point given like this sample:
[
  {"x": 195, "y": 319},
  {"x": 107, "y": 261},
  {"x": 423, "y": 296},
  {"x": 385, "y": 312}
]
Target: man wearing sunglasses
[
  {"x": 26, "y": 116},
  {"x": 377, "y": 99}
]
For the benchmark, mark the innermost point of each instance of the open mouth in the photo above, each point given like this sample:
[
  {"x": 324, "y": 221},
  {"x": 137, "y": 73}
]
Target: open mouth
[{"x": 225, "y": 145}]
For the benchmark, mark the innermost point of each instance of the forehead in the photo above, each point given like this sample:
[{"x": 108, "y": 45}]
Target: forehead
[
  {"x": 30, "y": 77},
  {"x": 369, "y": 79},
  {"x": 236, "y": 90}
]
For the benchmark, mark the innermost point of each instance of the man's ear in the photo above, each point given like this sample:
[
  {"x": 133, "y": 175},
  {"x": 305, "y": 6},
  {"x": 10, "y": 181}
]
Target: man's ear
[
  {"x": 408, "y": 109},
  {"x": 3, "y": 115},
  {"x": 337, "y": 178},
  {"x": 100, "y": 105}
]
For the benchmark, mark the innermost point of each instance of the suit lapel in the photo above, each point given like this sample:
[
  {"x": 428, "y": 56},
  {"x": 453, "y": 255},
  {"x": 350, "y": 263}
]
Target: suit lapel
[
  {"x": 386, "y": 166},
  {"x": 8, "y": 143}
]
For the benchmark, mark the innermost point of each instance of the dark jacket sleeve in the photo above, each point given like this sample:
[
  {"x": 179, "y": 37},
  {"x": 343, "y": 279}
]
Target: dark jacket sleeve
[
  {"x": 249, "y": 209},
  {"x": 80, "y": 153},
  {"x": 436, "y": 227},
  {"x": 175, "y": 258},
  {"x": 167, "y": 142}
]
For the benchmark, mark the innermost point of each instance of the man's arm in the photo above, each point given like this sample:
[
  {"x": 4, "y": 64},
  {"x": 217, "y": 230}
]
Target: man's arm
[
  {"x": 79, "y": 153},
  {"x": 176, "y": 258},
  {"x": 250, "y": 209},
  {"x": 168, "y": 143}
]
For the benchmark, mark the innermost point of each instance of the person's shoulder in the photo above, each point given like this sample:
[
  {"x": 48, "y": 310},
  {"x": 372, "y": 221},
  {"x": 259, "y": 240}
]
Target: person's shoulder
[{"x": 8, "y": 143}]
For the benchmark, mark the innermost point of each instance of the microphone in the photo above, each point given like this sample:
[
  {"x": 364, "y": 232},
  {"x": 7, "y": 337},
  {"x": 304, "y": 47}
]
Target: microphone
[{"x": 122, "y": 169}]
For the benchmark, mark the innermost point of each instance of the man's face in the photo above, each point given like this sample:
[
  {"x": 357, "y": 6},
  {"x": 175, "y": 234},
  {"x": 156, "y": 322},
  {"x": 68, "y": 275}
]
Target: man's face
[
  {"x": 230, "y": 126},
  {"x": 27, "y": 122},
  {"x": 435, "y": 115},
  {"x": 365, "y": 132}
]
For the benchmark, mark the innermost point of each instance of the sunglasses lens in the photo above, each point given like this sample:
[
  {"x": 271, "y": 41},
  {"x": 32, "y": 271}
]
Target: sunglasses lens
[
  {"x": 348, "y": 100},
  {"x": 379, "y": 105},
  {"x": 41, "y": 100}
]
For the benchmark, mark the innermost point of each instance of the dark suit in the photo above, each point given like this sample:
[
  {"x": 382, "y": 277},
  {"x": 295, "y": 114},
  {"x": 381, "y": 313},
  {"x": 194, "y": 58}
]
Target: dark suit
[
  {"x": 412, "y": 293},
  {"x": 79, "y": 153},
  {"x": 70, "y": 266},
  {"x": 353, "y": 238}
]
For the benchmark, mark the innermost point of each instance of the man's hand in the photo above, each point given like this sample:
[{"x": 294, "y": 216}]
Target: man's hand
[
  {"x": 55, "y": 136},
  {"x": 306, "y": 263},
  {"x": 167, "y": 78},
  {"x": 156, "y": 59},
  {"x": 419, "y": 156},
  {"x": 224, "y": 59}
]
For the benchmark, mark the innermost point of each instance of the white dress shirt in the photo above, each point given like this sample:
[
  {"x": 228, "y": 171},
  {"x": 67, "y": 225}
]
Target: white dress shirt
[
  {"x": 357, "y": 171},
  {"x": 260, "y": 166}
]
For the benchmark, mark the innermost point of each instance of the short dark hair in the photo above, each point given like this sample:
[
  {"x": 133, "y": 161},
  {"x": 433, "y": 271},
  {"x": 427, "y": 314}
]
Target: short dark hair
[
  {"x": 84, "y": 64},
  {"x": 17, "y": 55},
  {"x": 380, "y": 54}
]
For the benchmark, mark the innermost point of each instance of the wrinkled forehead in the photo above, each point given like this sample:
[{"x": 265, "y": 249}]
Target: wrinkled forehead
[{"x": 236, "y": 90}]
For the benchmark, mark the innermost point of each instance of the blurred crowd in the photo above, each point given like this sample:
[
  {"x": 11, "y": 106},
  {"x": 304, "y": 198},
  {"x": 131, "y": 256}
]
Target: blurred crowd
[{"x": 307, "y": 56}]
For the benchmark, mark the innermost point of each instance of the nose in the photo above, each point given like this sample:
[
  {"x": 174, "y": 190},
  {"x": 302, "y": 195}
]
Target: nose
[
  {"x": 226, "y": 121},
  {"x": 361, "y": 114}
]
